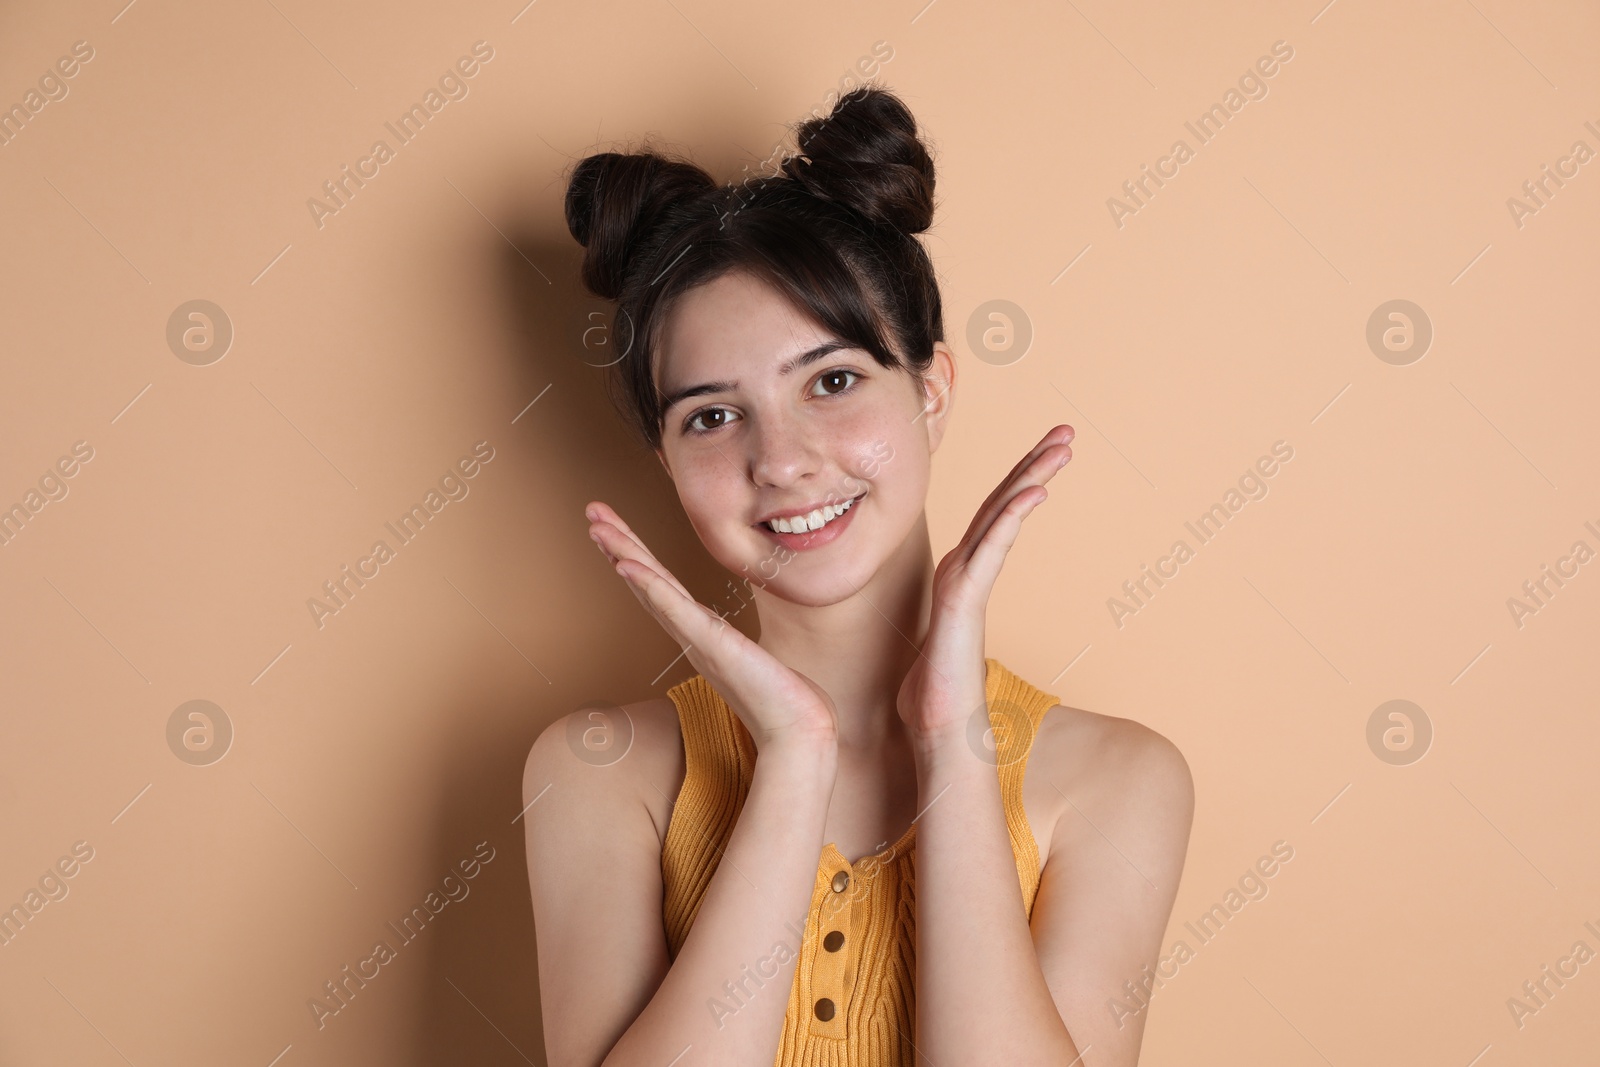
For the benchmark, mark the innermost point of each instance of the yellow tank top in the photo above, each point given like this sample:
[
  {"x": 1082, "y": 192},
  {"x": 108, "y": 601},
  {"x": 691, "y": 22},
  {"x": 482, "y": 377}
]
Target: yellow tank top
[{"x": 852, "y": 1001}]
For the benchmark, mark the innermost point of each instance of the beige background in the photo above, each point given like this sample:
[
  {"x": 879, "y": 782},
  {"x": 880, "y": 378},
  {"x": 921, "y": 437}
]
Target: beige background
[{"x": 373, "y": 754}]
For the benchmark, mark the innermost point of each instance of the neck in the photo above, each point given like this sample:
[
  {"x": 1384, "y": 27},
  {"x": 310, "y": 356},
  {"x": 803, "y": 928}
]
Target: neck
[{"x": 859, "y": 649}]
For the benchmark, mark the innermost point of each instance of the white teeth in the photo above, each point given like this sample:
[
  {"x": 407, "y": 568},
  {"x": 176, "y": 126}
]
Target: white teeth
[{"x": 814, "y": 521}]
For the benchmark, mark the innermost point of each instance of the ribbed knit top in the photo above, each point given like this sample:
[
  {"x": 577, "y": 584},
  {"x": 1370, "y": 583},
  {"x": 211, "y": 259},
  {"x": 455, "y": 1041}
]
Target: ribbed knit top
[{"x": 852, "y": 1001}]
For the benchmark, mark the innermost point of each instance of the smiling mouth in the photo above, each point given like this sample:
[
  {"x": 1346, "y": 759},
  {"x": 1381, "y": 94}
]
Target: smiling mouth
[{"x": 810, "y": 523}]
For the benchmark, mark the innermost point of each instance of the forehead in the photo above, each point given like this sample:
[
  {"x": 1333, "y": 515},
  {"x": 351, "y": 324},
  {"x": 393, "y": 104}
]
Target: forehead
[{"x": 736, "y": 322}]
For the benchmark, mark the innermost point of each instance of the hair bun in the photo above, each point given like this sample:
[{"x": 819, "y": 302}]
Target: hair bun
[
  {"x": 867, "y": 156},
  {"x": 614, "y": 199}
]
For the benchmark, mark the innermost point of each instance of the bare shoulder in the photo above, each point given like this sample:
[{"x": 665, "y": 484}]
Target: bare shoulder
[
  {"x": 1105, "y": 771},
  {"x": 611, "y": 755},
  {"x": 595, "y": 795}
]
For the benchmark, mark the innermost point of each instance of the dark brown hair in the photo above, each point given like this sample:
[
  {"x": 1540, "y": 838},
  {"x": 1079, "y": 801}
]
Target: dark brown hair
[{"x": 832, "y": 231}]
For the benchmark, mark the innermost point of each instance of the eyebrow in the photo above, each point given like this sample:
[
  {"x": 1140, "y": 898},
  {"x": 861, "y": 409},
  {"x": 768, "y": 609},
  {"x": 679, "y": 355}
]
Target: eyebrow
[{"x": 802, "y": 360}]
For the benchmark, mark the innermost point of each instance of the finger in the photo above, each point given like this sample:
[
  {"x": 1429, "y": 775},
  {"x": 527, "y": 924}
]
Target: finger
[
  {"x": 670, "y": 608},
  {"x": 687, "y": 621},
  {"x": 1037, "y": 468},
  {"x": 708, "y": 640},
  {"x": 696, "y": 628},
  {"x": 618, "y": 548},
  {"x": 618, "y": 540},
  {"x": 1058, "y": 435},
  {"x": 989, "y": 554}
]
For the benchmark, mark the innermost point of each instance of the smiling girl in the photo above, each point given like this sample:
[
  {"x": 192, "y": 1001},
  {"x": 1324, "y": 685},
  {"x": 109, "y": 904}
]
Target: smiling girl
[{"x": 858, "y": 839}]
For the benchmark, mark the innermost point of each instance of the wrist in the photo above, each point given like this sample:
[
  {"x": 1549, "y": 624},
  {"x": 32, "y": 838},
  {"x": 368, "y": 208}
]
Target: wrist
[
  {"x": 949, "y": 752},
  {"x": 802, "y": 757}
]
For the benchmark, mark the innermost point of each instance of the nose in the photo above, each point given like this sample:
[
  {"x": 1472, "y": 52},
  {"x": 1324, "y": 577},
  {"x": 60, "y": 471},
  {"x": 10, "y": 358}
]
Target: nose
[{"x": 782, "y": 453}]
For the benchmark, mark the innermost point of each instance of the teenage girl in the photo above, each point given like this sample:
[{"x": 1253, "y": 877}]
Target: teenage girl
[{"x": 859, "y": 839}]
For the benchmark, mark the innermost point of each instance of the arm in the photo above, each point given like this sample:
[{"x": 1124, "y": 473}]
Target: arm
[
  {"x": 992, "y": 991},
  {"x": 982, "y": 998},
  {"x": 981, "y": 993},
  {"x": 1104, "y": 901},
  {"x": 594, "y": 859},
  {"x": 989, "y": 989},
  {"x": 594, "y": 869}
]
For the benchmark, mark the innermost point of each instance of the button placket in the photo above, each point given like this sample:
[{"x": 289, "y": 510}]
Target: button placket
[{"x": 831, "y": 973}]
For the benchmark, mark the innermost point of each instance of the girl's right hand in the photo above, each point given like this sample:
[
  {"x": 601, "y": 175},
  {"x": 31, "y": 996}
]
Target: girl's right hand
[{"x": 782, "y": 708}]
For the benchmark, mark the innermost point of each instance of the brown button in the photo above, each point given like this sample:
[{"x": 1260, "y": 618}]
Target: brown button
[
  {"x": 824, "y": 1009},
  {"x": 840, "y": 881},
  {"x": 834, "y": 941}
]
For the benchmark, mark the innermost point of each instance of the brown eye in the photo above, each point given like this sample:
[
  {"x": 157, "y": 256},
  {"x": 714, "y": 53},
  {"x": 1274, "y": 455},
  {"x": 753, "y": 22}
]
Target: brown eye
[
  {"x": 706, "y": 420},
  {"x": 833, "y": 382}
]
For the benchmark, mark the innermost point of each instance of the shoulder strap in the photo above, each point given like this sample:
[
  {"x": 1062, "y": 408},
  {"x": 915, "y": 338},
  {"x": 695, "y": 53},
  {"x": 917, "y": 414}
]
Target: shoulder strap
[
  {"x": 719, "y": 758},
  {"x": 1015, "y": 710}
]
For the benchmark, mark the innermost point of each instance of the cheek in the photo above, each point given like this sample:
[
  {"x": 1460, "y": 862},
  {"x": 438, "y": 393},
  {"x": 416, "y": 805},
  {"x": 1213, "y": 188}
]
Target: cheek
[
  {"x": 712, "y": 495},
  {"x": 888, "y": 452},
  {"x": 879, "y": 437},
  {"x": 899, "y": 479}
]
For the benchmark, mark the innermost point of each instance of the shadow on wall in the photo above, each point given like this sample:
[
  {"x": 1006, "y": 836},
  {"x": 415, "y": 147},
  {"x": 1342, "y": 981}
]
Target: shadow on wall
[{"x": 481, "y": 1003}]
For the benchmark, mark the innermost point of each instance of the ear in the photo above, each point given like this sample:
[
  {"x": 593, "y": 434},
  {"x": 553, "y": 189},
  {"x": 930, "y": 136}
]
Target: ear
[{"x": 939, "y": 390}]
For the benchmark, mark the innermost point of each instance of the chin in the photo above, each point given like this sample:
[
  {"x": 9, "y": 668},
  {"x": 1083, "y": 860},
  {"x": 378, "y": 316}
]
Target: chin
[
  {"x": 816, "y": 591},
  {"x": 804, "y": 578}
]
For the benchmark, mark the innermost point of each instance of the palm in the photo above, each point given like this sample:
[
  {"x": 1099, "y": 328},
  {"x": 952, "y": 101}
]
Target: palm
[
  {"x": 774, "y": 701},
  {"x": 946, "y": 683}
]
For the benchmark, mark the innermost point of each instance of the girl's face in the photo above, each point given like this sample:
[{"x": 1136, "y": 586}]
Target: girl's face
[{"x": 769, "y": 415}]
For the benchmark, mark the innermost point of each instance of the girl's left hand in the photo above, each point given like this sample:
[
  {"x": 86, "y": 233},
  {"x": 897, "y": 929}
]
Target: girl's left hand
[{"x": 945, "y": 687}]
